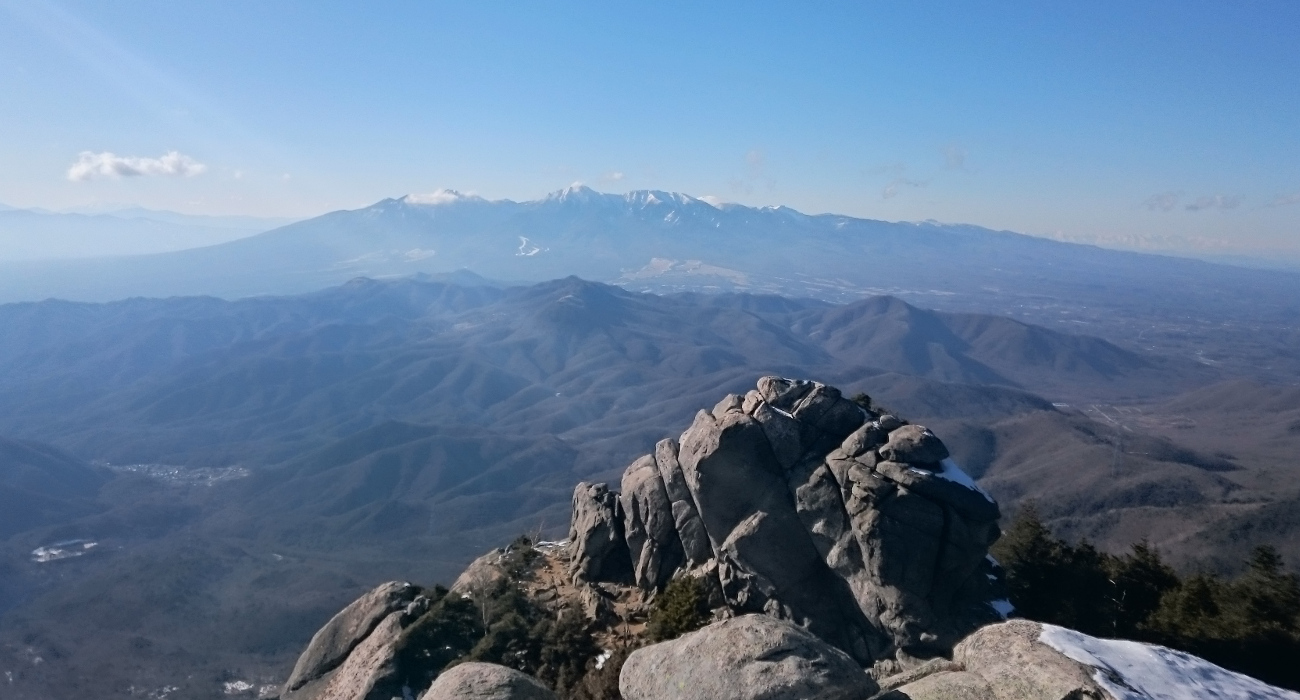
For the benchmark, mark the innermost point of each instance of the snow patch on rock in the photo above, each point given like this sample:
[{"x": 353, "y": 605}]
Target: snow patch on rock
[
  {"x": 955, "y": 474},
  {"x": 1137, "y": 671}
]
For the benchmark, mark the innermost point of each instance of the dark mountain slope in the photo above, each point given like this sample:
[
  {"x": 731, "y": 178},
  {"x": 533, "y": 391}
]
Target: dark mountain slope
[
  {"x": 397, "y": 428},
  {"x": 41, "y": 485},
  {"x": 202, "y": 381},
  {"x": 442, "y": 485}
]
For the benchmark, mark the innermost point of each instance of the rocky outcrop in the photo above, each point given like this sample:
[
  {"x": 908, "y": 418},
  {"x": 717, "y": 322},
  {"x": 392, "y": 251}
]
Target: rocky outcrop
[
  {"x": 479, "y": 681},
  {"x": 754, "y": 657},
  {"x": 600, "y": 552},
  {"x": 805, "y": 506},
  {"x": 353, "y": 656},
  {"x": 837, "y": 545}
]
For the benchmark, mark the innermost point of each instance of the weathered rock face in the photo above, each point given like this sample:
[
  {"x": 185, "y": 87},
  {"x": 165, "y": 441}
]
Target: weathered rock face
[
  {"x": 352, "y": 657},
  {"x": 810, "y": 508},
  {"x": 598, "y": 549},
  {"x": 1018, "y": 666},
  {"x": 754, "y": 657},
  {"x": 331, "y": 645},
  {"x": 649, "y": 525},
  {"x": 479, "y": 681},
  {"x": 686, "y": 518}
]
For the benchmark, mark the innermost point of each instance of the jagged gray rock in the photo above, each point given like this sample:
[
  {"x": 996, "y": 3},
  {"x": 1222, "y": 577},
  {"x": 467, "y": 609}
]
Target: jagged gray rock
[
  {"x": 810, "y": 508},
  {"x": 480, "y": 681},
  {"x": 649, "y": 525},
  {"x": 598, "y": 549},
  {"x": 686, "y": 518},
  {"x": 753, "y": 657},
  {"x": 332, "y": 644}
]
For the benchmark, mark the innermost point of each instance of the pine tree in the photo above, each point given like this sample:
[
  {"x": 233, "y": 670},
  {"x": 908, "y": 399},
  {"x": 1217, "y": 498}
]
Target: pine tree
[
  {"x": 1141, "y": 579},
  {"x": 1270, "y": 595}
]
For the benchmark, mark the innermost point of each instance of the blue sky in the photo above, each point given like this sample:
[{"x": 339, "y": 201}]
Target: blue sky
[{"x": 1150, "y": 124}]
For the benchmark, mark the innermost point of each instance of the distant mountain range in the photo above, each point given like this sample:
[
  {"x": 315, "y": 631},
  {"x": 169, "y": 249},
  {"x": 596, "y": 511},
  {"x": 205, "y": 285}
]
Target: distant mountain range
[
  {"x": 652, "y": 240},
  {"x": 28, "y": 235},
  {"x": 671, "y": 242}
]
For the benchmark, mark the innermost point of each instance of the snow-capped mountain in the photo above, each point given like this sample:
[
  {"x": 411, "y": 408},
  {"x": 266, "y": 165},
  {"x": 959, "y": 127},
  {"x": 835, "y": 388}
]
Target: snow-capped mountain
[{"x": 662, "y": 241}]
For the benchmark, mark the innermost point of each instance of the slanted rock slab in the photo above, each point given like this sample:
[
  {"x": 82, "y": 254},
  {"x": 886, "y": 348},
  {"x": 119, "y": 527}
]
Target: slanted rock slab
[
  {"x": 480, "y": 681},
  {"x": 753, "y": 657},
  {"x": 330, "y": 646}
]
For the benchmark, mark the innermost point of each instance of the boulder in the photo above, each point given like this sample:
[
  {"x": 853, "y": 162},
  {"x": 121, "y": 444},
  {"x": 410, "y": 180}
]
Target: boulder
[
  {"x": 480, "y": 681},
  {"x": 914, "y": 444},
  {"x": 649, "y": 526},
  {"x": 598, "y": 550},
  {"x": 481, "y": 575},
  {"x": 369, "y": 672},
  {"x": 1024, "y": 660},
  {"x": 332, "y": 644},
  {"x": 753, "y": 657},
  {"x": 783, "y": 393},
  {"x": 1017, "y": 666}
]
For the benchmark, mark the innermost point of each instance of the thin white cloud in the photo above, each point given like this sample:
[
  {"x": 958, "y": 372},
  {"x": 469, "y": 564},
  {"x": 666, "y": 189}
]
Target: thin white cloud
[
  {"x": 1218, "y": 201},
  {"x": 892, "y": 189},
  {"x": 755, "y": 174},
  {"x": 612, "y": 176},
  {"x": 954, "y": 157},
  {"x": 1283, "y": 200},
  {"x": 93, "y": 166},
  {"x": 1164, "y": 201},
  {"x": 436, "y": 197}
]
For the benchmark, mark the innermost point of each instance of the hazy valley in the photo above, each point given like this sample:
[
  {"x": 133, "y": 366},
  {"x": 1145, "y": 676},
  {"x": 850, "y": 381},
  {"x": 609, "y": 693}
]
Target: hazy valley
[{"x": 246, "y": 467}]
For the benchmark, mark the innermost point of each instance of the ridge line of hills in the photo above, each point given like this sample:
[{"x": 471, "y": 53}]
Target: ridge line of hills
[{"x": 267, "y": 459}]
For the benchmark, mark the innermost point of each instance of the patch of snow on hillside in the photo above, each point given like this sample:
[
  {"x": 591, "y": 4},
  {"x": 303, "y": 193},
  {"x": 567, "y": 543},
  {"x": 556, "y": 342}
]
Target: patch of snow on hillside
[
  {"x": 62, "y": 550},
  {"x": 526, "y": 248},
  {"x": 1136, "y": 671},
  {"x": 237, "y": 687},
  {"x": 954, "y": 473}
]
